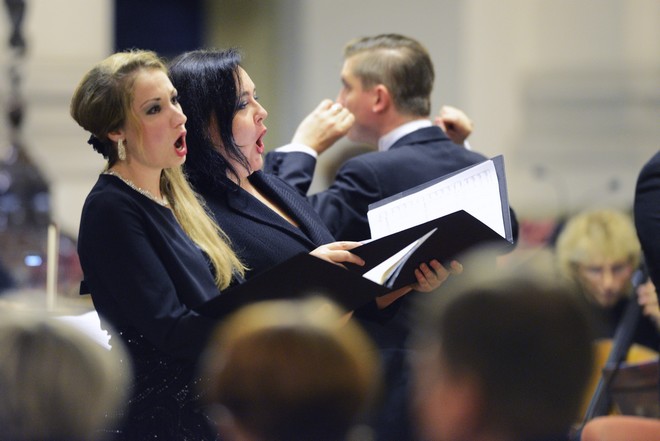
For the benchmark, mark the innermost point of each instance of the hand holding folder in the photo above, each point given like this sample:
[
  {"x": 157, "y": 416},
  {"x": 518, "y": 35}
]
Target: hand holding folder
[
  {"x": 437, "y": 220},
  {"x": 300, "y": 276}
]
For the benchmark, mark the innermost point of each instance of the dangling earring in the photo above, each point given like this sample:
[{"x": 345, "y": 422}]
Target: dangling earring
[{"x": 121, "y": 150}]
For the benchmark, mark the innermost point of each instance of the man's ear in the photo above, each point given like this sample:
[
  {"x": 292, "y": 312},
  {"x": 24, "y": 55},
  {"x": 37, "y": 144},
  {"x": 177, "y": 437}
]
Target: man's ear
[{"x": 382, "y": 99}]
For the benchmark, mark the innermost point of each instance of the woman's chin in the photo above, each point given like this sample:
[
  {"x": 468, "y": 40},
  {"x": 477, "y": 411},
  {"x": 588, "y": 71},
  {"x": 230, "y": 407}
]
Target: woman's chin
[{"x": 257, "y": 165}]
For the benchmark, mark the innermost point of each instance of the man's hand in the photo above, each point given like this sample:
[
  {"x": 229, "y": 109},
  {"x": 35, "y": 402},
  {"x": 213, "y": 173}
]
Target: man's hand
[
  {"x": 324, "y": 126},
  {"x": 648, "y": 300},
  {"x": 454, "y": 123}
]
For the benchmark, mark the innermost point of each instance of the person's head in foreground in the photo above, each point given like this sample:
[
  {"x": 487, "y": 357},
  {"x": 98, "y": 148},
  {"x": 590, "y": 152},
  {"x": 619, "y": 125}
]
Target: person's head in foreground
[
  {"x": 56, "y": 382},
  {"x": 503, "y": 357},
  {"x": 290, "y": 371}
]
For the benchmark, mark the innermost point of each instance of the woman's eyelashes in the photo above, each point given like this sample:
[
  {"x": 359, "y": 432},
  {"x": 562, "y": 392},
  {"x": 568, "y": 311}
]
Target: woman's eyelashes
[
  {"x": 151, "y": 110},
  {"x": 244, "y": 103},
  {"x": 156, "y": 108}
]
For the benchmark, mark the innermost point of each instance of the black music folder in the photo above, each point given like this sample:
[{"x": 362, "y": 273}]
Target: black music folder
[
  {"x": 301, "y": 276},
  {"x": 437, "y": 220}
]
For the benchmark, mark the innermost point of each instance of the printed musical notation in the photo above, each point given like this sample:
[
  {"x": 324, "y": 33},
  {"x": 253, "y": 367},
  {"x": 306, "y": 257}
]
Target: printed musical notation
[{"x": 475, "y": 189}]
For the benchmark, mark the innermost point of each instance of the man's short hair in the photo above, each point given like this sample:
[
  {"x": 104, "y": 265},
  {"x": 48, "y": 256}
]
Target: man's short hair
[
  {"x": 523, "y": 335},
  {"x": 401, "y": 64}
]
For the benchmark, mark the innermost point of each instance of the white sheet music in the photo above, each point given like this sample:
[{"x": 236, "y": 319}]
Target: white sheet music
[
  {"x": 475, "y": 190},
  {"x": 381, "y": 272}
]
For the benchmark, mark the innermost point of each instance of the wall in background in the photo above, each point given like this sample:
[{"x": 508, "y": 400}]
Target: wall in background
[{"x": 567, "y": 90}]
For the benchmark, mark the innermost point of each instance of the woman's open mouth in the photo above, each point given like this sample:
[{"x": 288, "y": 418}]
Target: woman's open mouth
[
  {"x": 260, "y": 143},
  {"x": 180, "y": 146}
]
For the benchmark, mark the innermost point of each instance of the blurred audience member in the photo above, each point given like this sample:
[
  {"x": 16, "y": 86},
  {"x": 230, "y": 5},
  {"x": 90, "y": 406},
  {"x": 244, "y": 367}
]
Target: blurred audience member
[
  {"x": 503, "y": 357},
  {"x": 290, "y": 371},
  {"x": 56, "y": 382},
  {"x": 599, "y": 251},
  {"x": 621, "y": 428}
]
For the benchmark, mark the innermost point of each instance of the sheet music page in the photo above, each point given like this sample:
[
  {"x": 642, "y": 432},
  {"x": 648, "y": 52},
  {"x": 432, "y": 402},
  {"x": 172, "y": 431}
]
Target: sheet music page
[
  {"x": 475, "y": 190},
  {"x": 381, "y": 272}
]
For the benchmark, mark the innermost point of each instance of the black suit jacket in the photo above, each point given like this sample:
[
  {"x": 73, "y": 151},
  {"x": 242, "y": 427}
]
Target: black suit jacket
[
  {"x": 259, "y": 236},
  {"x": 647, "y": 215},
  {"x": 416, "y": 158}
]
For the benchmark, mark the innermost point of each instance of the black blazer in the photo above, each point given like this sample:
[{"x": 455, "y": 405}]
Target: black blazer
[
  {"x": 259, "y": 236},
  {"x": 647, "y": 215},
  {"x": 416, "y": 158}
]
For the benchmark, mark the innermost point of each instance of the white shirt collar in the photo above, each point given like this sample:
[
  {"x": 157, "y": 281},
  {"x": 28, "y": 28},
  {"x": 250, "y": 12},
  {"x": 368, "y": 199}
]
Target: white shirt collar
[{"x": 386, "y": 141}]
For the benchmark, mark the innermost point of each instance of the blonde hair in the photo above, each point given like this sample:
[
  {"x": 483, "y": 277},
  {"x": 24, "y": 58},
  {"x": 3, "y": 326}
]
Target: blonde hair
[
  {"x": 292, "y": 370},
  {"x": 190, "y": 211},
  {"x": 102, "y": 104},
  {"x": 595, "y": 235}
]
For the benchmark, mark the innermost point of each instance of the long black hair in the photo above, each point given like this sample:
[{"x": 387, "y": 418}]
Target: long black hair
[{"x": 208, "y": 83}]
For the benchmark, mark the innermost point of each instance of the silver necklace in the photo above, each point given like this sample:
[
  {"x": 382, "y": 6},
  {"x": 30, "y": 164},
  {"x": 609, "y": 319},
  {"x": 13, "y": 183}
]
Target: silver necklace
[{"x": 160, "y": 201}]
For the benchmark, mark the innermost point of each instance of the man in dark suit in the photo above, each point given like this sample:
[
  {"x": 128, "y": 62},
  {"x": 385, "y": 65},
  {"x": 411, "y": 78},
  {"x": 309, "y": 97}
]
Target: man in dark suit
[
  {"x": 387, "y": 82},
  {"x": 386, "y": 85}
]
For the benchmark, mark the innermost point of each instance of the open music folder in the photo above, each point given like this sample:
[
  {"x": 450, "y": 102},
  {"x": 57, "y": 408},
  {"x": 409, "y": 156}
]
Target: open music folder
[
  {"x": 437, "y": 220},
  {"x": 301, "y": 276}
]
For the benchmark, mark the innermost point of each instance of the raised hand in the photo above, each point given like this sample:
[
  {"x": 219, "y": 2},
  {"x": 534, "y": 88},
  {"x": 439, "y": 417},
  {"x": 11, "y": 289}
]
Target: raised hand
[
  {"x": 328, "y": 122},
  {"x": 455, "y": 123}
]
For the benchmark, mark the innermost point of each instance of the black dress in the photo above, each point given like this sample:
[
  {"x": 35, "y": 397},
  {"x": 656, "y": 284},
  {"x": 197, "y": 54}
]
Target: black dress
[{"x": 145, "y": 275}]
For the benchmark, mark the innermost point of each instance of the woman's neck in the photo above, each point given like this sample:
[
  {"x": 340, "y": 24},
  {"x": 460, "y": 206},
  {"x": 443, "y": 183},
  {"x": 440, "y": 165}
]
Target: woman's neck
[
  {"x": 145, "y": 178},
  {"x": 247, "y": 185},
  {"x": 242, "y": 180}
]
